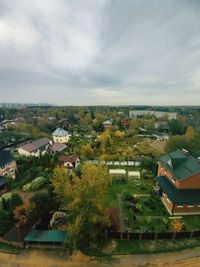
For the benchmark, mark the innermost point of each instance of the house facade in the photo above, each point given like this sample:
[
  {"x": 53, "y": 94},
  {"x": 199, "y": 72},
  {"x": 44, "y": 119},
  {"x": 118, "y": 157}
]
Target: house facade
[
  {"x": 178, "y": 183},
  {"x": 35, "y": 148},
  {"x": 8, "y": 165},
  {"x": 108, "y": 124},
  {"x": 60, "y": 136},
  {"x": 69, "y": 161}
]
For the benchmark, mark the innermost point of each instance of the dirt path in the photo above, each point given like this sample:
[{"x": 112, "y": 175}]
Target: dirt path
[{"x": 35, "y": 258}]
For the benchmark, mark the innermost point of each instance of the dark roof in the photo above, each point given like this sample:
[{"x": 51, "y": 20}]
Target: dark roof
[
  {"x": 45, "y": 236},
  {"x": 35, "y": 145},
  {"x": 68, "y": 158},
  {"x": 178, "y": 196},
  {"x": 2, "y": 180},
  {"x": 5, "y": 158},
  {"x": 181, "y": 164},
  {"x": 57, "y": 147}
]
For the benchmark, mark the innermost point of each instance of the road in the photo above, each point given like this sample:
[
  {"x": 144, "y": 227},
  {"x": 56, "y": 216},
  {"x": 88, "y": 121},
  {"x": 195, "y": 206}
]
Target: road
[{"x": 35, "y": 258}]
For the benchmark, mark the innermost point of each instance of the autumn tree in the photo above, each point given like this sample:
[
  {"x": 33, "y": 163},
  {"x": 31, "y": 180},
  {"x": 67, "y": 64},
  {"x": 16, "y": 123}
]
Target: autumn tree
[
  {"x": 86, "y": 196},
  {"x": 86, "y": 151},
  {"x": 119, "y": 134},
  {"x": 25, "y": 213},
  {"x": 60, "y": 183},
  {"x": 106, "y": 140},
  {"x": 190, "y": 133}
]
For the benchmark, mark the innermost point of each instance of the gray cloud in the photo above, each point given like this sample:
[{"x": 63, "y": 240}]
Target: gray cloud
[{"x": 100, "y": 52}]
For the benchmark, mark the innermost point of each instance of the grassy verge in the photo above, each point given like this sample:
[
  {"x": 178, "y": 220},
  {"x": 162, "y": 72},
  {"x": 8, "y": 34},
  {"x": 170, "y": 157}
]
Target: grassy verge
[
  {"x": 129, "y": 247},
  {"x": 9, "y": 249}
]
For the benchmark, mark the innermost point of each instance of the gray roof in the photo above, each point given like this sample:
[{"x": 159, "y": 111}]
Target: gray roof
[
  {"x": 60, "y": 132},
  {"x": 35, "y": 145},
  {"x": 5, "y": 158}
]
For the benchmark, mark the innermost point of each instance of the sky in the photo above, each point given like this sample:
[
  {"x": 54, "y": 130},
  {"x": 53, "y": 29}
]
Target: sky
[{"x": 99, "y": 52}]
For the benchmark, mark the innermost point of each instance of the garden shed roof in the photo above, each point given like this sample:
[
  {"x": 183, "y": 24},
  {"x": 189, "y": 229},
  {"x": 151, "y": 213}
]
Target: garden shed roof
[
  {"x": 178, "y": 196},
  {"x": 44, "y": 236}
]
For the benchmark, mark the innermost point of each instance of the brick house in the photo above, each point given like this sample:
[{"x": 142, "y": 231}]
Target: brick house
[
  {"x": 178, "y": 183},
  {"x": 8, "y": 165}
]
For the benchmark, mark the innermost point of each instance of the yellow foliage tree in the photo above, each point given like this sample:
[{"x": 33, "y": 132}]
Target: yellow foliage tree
[{"x": 25, "y": 212}]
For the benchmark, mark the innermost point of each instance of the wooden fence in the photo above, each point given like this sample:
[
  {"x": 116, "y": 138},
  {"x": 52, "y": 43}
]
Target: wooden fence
[{"x": 151, "y": 236}]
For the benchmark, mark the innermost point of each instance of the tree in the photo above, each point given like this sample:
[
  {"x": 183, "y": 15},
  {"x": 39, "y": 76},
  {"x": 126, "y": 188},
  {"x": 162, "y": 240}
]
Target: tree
[
  {"x": 106, "y": 140},
  {"x": 119, "y": 134},
  {"x": 44, "y": 203},
  {"x": 176, "y": 142},
  {"x": 25, "y": 213},
  {"x": 86, "y": 151},
  {"x": 60, "y": 183},
  {"x": 176, "y": 127},
  {"x": 6, "y": 222},
  {"x": 86, "y": 197},
  {"x": 190, "y": 133}
]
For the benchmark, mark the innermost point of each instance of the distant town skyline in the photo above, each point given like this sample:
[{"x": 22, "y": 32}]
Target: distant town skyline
[{"x": 102, "y": 52}]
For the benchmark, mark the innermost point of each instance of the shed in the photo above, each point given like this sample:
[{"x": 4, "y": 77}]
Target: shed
[
  {"x": 117, "y": 172},
  {"x": 47, "y": 237},
  {"x": 134, "y": 174}
]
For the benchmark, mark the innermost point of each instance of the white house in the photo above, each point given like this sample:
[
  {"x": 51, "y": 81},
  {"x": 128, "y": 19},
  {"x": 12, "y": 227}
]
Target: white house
[
  {"x": 35, "y": 148},
  {"x": 60, "y": 136}
]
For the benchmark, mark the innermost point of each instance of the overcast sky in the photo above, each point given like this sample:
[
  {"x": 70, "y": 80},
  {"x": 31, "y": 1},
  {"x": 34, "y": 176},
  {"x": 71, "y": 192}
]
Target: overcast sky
[{"x": 87, "y": 52}]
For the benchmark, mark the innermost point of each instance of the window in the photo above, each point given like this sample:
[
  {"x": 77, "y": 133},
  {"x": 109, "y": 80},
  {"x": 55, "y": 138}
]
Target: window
[
  {"x": 179, "y": 206},
  {"x": 190, "y": 206}
]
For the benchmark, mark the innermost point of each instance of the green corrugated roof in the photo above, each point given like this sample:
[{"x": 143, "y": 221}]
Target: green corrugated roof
[
  {"x": 177, "y": 196},
  {"x": 46, "y": 236},
  {"x": 180, "y": 164}
]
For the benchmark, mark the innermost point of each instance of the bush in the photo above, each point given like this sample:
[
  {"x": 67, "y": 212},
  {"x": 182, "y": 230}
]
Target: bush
[
  {"x": 38, "y": 183},
  {"x": 26, "y": 187}
]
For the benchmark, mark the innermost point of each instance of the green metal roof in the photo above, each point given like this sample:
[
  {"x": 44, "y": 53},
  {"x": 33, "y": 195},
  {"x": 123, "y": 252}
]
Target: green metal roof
[
  {"x": 178, "y": 196},
  {"x": 44, "y": 236},
  {"x": 182, "y": 165}
]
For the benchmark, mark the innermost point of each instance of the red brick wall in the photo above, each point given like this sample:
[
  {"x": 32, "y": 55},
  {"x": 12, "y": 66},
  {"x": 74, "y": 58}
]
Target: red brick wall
[
  {"x": 186, "y": 209},
  {"x": 193, "y": 182}
]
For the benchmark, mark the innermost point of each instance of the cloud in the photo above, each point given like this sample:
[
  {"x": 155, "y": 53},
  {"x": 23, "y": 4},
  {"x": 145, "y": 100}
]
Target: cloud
[{"x": 100, "y": 52}]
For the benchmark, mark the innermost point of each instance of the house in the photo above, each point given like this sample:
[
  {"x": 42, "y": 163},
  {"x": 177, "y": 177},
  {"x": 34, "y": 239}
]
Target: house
[
  {"x": 157, "y": 114},
  {"x": 69, "y": 161},
  {"x": 125, "y": 122},
  {"x": 57, "y": 147},
  {"x": 8, "y": 165},
  {"x": 107, "y": 124},
  {"x": 35, "y": 148},
  {"x": 60, "y": 136},
  {"x": 178, "y": 183}
]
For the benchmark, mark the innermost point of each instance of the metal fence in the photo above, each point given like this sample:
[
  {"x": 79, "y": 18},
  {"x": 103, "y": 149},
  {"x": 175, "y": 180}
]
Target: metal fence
[{"x": 117, "y": 163}]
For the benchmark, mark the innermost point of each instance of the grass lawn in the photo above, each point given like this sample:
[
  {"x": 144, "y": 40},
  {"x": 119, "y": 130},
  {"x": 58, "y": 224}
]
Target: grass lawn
[
  {"x": 154, "y": 246},
  {"x": 9, "y": 248},
  {"x": 192, "y": 222},
  {"x": 128, "y": 247}
]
